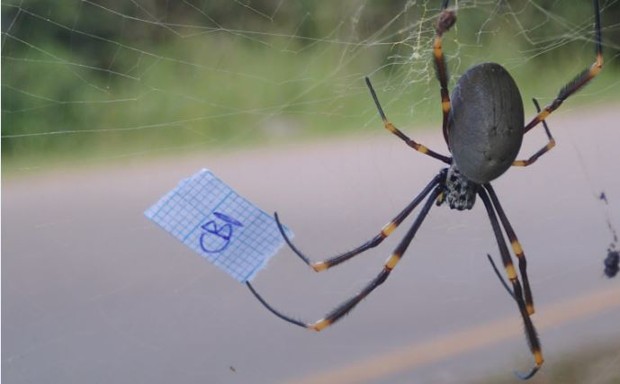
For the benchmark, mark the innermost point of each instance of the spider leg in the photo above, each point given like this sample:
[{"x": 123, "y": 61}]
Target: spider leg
[
  {"x": 580, "y": 80},
  {"x": 387, "y": 230},
  {"x": 446, "y": 20},
  {"x": 390, "y": 127},
  {"x": 530, "y": 330},
  {"x": 500, "y": 277},
  {"x": 543, "y": 150},
  {"x": 348, "y": 305},
  {"x": 516, "y": 248}
]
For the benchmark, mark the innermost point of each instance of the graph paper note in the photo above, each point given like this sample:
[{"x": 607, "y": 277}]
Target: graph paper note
[{"x": 220, "y": 225}]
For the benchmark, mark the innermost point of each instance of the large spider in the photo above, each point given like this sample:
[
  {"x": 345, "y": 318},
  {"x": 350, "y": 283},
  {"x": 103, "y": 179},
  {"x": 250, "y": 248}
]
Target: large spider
[{"x": 483, "y": 126}]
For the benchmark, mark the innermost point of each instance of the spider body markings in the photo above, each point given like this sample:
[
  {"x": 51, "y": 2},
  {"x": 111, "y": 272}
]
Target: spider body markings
[{"x": 483, "y": 128}]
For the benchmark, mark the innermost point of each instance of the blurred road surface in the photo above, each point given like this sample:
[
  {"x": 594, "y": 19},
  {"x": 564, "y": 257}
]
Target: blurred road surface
[{"x": 92, "y": 292}]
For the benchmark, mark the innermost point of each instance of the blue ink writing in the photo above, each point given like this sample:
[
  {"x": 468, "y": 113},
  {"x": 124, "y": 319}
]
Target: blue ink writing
[{"x": 217, "y": 234}]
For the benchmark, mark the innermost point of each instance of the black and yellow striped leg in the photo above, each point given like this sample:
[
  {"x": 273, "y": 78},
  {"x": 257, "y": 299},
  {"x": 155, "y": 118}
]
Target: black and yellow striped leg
[
  {"x": 516, "y": 248},
  {"x": 517, "y": 291},
  {"x": 543, "y": 150},
  {"x": 446, "y": 20},
  {"x": 387, "y": 230},
  {"x": 389, "y": 265},
  {"x": 390, "y": 127},
  {"x": 580, "y": 80},
  {"x": 500, "y": 277}
]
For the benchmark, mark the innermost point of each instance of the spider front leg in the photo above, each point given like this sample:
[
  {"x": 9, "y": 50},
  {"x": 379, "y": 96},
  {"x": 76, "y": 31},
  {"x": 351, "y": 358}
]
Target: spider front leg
[
  {"x": 446, "y": 20},
  {"x": 543, "y": 150},
  {"x": 388, "y": 267},
  {"x": 517, "y": 290},
  {"x": 387, "y": 230},
  {"x": 578, "y": 82},
  {"x": 390, "y": 127}
]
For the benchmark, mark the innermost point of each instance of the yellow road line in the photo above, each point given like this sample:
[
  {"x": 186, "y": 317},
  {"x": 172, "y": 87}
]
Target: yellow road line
[{"x": 419, "y": 354}]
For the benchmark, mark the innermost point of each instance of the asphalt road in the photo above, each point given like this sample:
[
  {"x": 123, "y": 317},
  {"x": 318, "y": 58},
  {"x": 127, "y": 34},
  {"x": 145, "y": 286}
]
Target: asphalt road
[{"x": 92, "y": 292}]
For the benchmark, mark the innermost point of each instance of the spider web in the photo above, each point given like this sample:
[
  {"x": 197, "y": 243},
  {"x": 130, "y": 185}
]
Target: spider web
[
  {"x": 152, "y": 79},
  {"x": 117, "y": 100}
]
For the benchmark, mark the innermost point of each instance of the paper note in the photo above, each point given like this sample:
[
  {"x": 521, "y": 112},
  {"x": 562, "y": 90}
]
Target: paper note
[{"x": 209, "y": 217}]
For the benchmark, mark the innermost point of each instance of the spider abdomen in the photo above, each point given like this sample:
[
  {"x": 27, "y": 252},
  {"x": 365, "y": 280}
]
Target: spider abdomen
[{"x": 485, "y": 126}]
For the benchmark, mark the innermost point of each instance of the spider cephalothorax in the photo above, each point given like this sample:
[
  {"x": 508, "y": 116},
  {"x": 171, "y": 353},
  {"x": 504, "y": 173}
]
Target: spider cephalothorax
[
  {"x": 460, "y": 192},
  {"x": 483, "y": 127}
]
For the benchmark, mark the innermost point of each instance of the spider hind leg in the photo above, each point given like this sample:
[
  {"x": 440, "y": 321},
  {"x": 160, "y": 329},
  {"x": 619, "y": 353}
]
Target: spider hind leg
[{"x": 523, "y": 299}]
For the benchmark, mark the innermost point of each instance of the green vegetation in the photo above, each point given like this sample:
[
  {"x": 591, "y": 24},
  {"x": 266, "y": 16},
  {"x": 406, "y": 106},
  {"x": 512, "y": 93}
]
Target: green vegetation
[{"x": 80, "y": 79}]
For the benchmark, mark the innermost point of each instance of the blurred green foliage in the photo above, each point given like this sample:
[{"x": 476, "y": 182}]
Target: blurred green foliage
[{"x": 83, "y": 77}]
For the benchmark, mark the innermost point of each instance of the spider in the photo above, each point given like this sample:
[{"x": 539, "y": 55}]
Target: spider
[
  {"x": 612, "y": 261},
  {"x": 483, "y": 126}
]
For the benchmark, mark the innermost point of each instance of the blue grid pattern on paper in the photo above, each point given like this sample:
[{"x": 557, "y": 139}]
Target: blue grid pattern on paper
[{"x": 220, "y": 225}]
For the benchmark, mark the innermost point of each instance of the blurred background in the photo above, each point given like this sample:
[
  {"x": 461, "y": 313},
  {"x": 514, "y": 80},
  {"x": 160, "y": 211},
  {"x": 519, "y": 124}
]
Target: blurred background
[
  {"x": 108, "y": 78},
  {"x": 106, "y": 105}
]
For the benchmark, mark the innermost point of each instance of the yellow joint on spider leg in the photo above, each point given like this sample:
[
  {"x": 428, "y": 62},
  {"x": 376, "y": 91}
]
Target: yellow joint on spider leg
[
  {"x": 445, "y": 106},
  {"x": 320, "y": 325},
  {"x": 543, "y": 115},
  {"x": 388, "y": 229},
  {"x": 510, "y": 271},
  {"x": 516, "y": 247},
  {"x": 530, "y": 309},
  {"x": 390, "y": 127},
  {"x": 437, "y": 46},
  {"x": 599, "y": 62},
  {"x": 320, "y": 266},
  {"x": 538, "y": 357},
  {"x": 441, "y": 198},
  {"x": 392, "y": 261}
]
